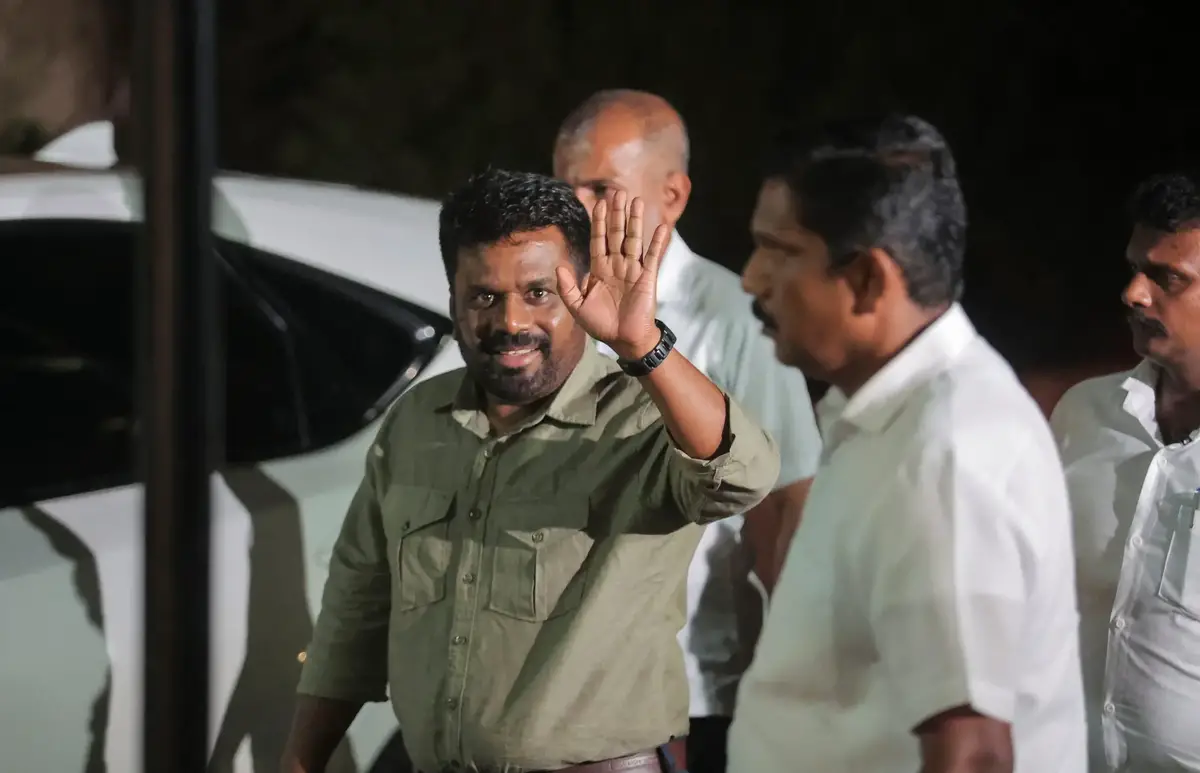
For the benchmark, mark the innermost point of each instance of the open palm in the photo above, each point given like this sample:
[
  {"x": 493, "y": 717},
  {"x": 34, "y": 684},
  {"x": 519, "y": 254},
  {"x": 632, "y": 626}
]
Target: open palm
[{"x": 617, "y": 300}]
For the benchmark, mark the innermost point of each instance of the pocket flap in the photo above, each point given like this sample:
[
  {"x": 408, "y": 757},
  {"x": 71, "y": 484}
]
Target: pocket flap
[
  {"x": 538, "y": 523},
  {"x": 412, "y": 508}
]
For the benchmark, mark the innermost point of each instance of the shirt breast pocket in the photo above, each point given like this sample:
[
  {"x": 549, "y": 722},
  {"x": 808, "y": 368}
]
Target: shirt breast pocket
[
  {"x": 1180, "y": 584},
  {"x": 419, "y": 524},
  {"x": 540, "y": 554}
]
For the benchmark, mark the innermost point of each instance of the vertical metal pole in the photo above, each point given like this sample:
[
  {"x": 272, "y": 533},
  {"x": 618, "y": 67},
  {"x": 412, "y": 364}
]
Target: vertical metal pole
[{"x": 174, "y": 125}]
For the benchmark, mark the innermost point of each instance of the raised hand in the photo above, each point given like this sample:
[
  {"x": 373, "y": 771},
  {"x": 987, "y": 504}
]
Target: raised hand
[{"x": 617, "y": 300}]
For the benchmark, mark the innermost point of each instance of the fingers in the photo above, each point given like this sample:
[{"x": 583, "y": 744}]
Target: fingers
[
  {"x": 568, "y": 289},
  {"x": 657, "y": 248},
  {"x": 632, "y": 248},
  {"x": 616, "y": 223},
  {"x": 600, "y": 239}
]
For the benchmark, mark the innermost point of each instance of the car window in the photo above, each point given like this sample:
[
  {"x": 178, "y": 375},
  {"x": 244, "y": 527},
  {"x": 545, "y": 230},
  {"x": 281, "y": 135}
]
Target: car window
[{"x": 310, "y": 358}]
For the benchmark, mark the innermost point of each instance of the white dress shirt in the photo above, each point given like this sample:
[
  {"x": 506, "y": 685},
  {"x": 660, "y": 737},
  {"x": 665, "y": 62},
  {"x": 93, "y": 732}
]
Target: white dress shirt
[
  {"x": 933, "y": 568},
  {"x": 1138, "y": 566},
  {"x": 704, "y": 305}
]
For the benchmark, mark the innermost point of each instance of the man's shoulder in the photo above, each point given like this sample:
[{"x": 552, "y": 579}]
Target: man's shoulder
[
  {"x": 978, "y": 417},
  {"x": 435, "y": 390},
  {"x": 1089, "y": 397},
  {"x": 424, "y": 398}
]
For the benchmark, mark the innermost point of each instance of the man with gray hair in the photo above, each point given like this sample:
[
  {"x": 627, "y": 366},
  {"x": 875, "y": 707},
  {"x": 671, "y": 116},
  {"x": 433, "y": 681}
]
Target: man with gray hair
[{"x": 636, "y": 142}]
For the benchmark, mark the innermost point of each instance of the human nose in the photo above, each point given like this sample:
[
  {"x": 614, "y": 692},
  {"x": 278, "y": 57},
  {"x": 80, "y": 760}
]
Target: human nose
[
  {"x": 1137, "y": 292},
  {"x": 755, "y": 277},
  {"x": 516, "y": 314}
]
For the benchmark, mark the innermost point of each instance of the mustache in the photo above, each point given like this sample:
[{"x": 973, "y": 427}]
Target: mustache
[
  {"x": 499, "y": 341},
  {"x": 761, "y": 314},
  {"x": 1152, "y": 326}
]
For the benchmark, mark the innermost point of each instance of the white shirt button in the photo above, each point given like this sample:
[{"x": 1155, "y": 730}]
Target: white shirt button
[
  {"x": 1136, "y": 541},
  {"x": 1119, "y": 623},
  {"x": 1109, "y": 708}
]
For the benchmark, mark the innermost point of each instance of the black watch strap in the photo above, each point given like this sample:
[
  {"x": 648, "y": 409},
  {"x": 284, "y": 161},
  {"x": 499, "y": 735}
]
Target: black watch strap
[{"x": 642, "y": 367}]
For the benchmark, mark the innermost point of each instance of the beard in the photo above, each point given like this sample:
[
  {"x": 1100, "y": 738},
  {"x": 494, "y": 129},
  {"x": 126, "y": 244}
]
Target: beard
[{"x": 513, "y": 386}]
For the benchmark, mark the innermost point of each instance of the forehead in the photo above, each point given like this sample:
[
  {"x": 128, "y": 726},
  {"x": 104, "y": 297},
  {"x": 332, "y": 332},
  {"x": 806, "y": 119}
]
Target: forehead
[
  {"x": 775, "y": 209},
  {"x": 1180, "y": 249},
  {"x": 517, "y": 261},
  {"x": 609, "y": 149}
]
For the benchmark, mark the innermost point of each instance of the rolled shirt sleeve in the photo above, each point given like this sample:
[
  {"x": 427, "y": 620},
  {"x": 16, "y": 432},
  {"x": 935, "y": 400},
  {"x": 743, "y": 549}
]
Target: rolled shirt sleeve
[
  {"x": 347, "y": 658},
  {"x": 705, "y": 490},
  {"x": 944, "y": 569}
]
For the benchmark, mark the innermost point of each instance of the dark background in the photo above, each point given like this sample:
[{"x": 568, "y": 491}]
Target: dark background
[{"x": 1055, "y": 109}]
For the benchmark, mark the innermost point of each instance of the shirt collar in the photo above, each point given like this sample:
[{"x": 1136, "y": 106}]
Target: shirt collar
[
  {"x": 872, "y": 407},
  {"x": 1140, "y": 386},
  {"x": 674, "y": 271},
  {"x": 575, "y": 402}
]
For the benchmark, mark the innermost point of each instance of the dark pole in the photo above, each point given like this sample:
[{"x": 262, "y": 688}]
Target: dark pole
[{"x": 174, "y": 124}]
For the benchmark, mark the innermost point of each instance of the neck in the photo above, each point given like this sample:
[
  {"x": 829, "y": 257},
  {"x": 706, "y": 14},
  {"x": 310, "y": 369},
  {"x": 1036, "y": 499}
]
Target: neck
[
  {"x": 896, "y": 335},
  {"x": 504, "y": 417},
  {"x": 1177, "y": 403}
]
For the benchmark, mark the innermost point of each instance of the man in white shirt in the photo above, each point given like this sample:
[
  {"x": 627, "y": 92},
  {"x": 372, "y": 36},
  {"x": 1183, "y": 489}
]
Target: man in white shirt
[
  {"x": 925, "y": 618},
  {"x": 636, "y": 142},
  {"x": 1133, "y": 473}
]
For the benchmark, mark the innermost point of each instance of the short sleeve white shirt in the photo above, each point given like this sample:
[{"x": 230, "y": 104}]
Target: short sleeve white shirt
[
  {"x": 1137, "y": 542},
  {"x": 933, "y": 569},
  {"x": 704, "y": 305}
]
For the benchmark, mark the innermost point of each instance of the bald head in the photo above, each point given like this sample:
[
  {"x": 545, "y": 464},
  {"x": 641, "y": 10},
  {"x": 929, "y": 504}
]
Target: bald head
[{"x": 626, "y": 140}]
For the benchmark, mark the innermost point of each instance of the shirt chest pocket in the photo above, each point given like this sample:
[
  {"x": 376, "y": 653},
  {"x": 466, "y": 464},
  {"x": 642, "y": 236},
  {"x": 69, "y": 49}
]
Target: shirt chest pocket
[
  {"x": 540, "y": 556},
  {"x": 1180, "y": 584},
  {"x": 418, "y": 521}
]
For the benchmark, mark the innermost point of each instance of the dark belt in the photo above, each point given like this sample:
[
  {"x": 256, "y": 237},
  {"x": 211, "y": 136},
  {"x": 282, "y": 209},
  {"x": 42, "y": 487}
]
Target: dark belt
[{"x": 671, "y": 757}]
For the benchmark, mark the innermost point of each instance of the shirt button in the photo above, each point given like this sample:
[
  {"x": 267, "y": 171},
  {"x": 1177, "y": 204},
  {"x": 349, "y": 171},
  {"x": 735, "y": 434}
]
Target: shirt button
[
  {"x": 538, "y": 536},
  {"x": 452, "y": 703},
  {"x": 1109, "y": 708},
  {"x": 1119, "y": 623},
  {"x": 459, "y": 640},
  {"x": 468, "y": 578},
  {"x": 474, "y": 515},
  {"x": 1136, "y": 541}
]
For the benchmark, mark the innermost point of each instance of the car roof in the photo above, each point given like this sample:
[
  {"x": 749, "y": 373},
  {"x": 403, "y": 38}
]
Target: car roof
[{"x": 384, "y": 240}]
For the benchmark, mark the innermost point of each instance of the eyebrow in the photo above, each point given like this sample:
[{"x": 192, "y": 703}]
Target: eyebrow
[
  {"x": 773, "y": 241},
  {"x": 538, "y": 283}
]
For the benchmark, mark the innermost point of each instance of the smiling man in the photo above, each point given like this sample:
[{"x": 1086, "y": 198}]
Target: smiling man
[
  {"x": 925, "y": 618},
  {"x": 512, "y": 566},
  {"x": 1133, "y": 471}
]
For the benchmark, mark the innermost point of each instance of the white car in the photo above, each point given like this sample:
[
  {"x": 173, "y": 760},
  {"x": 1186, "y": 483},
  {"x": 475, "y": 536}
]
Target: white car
[{"x": 335, "y": 302}]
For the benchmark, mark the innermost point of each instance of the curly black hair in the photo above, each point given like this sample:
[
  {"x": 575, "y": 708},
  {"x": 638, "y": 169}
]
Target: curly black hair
[
  {"x": 495, "y": 204},
  {"x": 1167, "y": 202}
]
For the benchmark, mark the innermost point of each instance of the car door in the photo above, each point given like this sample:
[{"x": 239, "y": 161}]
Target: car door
[{"x": 312, "y": 361}]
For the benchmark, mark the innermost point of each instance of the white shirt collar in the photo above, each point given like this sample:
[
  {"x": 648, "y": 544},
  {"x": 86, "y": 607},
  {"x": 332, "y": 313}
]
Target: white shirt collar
[
  {"x": 878, "y": 400},
  {"x": 674, "y": 271}
]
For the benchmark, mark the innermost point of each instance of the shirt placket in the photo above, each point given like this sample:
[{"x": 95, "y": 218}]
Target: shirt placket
[
  {"x": 466, "y": 589},
  {"x": 1133, "y": 568}
]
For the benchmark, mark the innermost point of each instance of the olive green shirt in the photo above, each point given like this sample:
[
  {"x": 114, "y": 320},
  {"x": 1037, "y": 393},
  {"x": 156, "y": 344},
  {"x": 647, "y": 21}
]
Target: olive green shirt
[{"x": 521, "y": 595}]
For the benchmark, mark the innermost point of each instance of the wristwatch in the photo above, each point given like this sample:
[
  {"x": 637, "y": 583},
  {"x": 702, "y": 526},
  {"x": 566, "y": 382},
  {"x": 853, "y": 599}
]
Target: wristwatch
[{"x": 642, "y": 367}]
